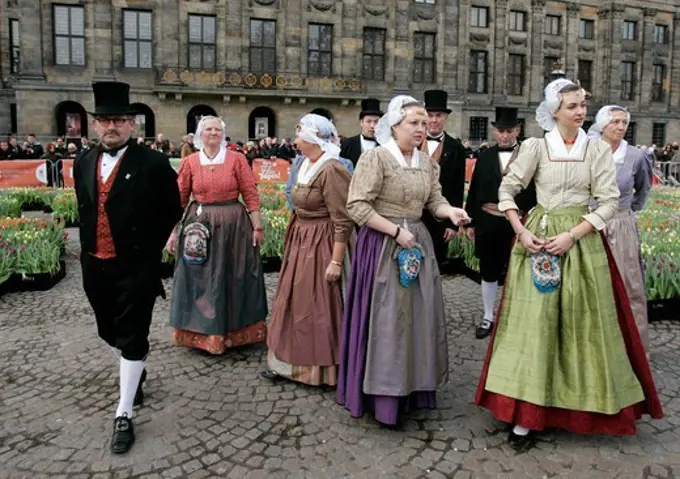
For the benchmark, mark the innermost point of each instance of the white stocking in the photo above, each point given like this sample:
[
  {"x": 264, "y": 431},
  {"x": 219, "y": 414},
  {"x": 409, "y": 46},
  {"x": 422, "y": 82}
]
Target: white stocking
[
  {"x": 489, "y": 291},
  {"x": 130, "y": 374}
]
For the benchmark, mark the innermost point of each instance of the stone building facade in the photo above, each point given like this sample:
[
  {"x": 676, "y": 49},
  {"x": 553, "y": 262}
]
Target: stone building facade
[{"x": 261, "y": 64}]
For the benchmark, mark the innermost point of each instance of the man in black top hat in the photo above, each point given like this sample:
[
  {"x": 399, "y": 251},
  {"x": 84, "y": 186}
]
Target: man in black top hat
[
  {"x": 128, "y": 202},
  {"x": 489, "y": 229},
  {"x": 353, "y": 147},
  {"x": 450, "y": 154}
]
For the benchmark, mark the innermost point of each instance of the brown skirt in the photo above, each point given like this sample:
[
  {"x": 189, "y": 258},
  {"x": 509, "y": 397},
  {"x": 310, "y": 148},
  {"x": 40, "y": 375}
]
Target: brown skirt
[{"x": 306, "y": 320}]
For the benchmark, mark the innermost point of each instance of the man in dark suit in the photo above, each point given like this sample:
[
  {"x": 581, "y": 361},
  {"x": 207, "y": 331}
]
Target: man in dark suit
[
  {"x": 489, "y": 229},
  {"x": 450, "y": 154},
  {"x": 128, "y": 202},
  {"x": 353, "y": 147}
]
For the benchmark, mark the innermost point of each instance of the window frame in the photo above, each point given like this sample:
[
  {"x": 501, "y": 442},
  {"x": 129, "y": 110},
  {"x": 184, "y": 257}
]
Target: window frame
[
  {"x": 329, "y": 52},
  {"x": 480, "y": 123},
  {"x": 587, "y": 84},
  {"x": 625, "y": 30},
  {"x": 14, "y": 49},
  {"x": 631, "y": 133},
  {"x": 137, "y": 40},
  {"x": 550, "y": 20},
  {"x": 658, "y": 94},
  {"x": 372, "y": 57},
  {"x": 516, "y": 76},
  {"x": 513, "y": 16},
  {"x": 70, "y": 36},
  {"x": 261, "y": 48},
  {"x": 474, "y": 73},
  {"x": 421, "y": 60},
  {"x": 202, "y": 43},
  {"x": 586, "y": 29},
  {"x": 655, "y": 129},
  {"x": 665, "y": 32},
  {"x": 475, "y": 10},
  {"x": 632, "y": 92}
]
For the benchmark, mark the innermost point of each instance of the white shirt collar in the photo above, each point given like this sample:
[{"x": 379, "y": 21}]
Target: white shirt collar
[
  {"x": 393, "y": 148},
  {"x": 559, "y": 150},
  {"x": 117, "y": 156},
  {"x": 308, "y": 169},
  {"x": 620, "y": 153},
  {"x": 218, "y": 160}
]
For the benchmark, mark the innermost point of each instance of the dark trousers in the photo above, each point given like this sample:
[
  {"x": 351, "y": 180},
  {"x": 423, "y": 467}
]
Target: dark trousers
[
  {"x": 493, "y": 244},
  {"x": 122, "y": 304},
  {"x": 437, "y": 230}
]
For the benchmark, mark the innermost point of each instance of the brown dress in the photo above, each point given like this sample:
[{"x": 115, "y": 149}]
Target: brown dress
[{"x": 304, "y": 331}]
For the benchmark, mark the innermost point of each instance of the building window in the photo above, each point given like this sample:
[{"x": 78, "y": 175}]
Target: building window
[
  {"x": 479, "y": 17},
  {"x": 661, "y": 34},
  {"x": 585, "y": 74},
  {"x": 319, "y": 49},
  {"x": 516, "y": 21},
  {"x": 586, "y": 29},
  {"x": 137, "y": 41},
  {"x": 630, "y": 134},
  {"x": 423, "y": 61},
  {"x": 69, "y": 35},
  {"x": 478, "y": 128},
  {"x": 658, "y": 79},
  {"x": 552, "y": 25},
  {"x": 373, "y": 61},
  {"x": 263, "y": 46},
  {"x": 658, "y": 134},
  {"x": 627, "y": 80},
  {"x": 516, "y": 70},
  {"x": 549, "y": 64},
  {"x": 202, "y": 42},
  {"x": 478, "y": 70},
  {"x": 629, "y": 30},
  {"x": 14, "y": 46},
  {"x": 428, "y": 2},
  {"x": 522, "y": 129}
]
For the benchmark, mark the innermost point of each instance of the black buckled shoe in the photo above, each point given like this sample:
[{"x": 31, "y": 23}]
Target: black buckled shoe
[
  {"x": 139, "y": 394},
  {"x": 522, "y": 443},
  {"x": 269, "y": 374},
  {"x": 484, "y": 329},
  {"x": 123, "y": 435}
]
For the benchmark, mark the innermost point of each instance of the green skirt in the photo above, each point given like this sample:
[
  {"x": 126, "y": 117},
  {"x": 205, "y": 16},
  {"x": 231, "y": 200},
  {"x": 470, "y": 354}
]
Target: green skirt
[{"x": 562, "y": 349}]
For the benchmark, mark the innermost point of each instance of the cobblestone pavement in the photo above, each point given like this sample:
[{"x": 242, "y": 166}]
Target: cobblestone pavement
[{"x": 215, "y": 417}]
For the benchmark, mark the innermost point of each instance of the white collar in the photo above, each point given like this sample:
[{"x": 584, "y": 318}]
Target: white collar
[
  {"x": 218, "y": 160},
  {"x": 392, "y": 147},
  {"x": 620, "y": 153},
  {"x": 308, "y": 169},
  {"x": 559, "y": 150},
  {"x": 118, "y": 154}
]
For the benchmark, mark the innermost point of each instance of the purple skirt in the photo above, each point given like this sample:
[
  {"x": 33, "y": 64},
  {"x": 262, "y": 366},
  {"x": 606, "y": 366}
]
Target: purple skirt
[{"x": 386, "y": 409}]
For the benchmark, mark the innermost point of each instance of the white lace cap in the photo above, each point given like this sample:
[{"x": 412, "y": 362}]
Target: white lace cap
[
  {"x": 603, "y": 118},
  {"x": 320, "y": 131},
  {"x": 551, "y": 103},
  {"x": 198, "y": 141},
  {"x": 395, "y": 113}
]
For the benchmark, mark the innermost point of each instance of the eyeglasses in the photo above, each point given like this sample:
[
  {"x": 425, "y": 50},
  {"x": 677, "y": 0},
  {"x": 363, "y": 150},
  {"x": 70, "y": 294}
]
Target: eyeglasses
[{"x": 109, "y": 121}]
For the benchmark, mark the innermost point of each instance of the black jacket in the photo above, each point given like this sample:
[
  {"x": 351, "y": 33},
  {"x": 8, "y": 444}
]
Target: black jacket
[
  {"x": 350, "y": 149},
  {"x": 143, "y": 206},
  {"x": 486, "y": 180}
]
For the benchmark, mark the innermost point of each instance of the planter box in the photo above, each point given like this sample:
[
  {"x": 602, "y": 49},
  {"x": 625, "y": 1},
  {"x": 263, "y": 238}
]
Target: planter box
[
  {"x": 11, "y": 285},
  {"x": 663, "y": 309},
  {"x": 42, "y": 281},
  {"x": 271, "y": 264},
  {"x": 167, "y": 270},
  {"x": 34, "y": 206}
]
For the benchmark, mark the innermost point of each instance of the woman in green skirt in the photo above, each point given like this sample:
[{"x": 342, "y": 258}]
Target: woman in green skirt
[{"x": 565, "y": 351}]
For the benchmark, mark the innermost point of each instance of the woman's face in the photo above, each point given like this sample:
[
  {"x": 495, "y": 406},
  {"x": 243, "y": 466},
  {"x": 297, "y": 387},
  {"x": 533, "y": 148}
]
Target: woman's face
[
  {"x": 572, "y": 110},
  {"x": 307, "y": 149},
  {"x": 616, "y": 129},
  {"x": 212, "y": 133},
  {"x": 411, "y": 131}
]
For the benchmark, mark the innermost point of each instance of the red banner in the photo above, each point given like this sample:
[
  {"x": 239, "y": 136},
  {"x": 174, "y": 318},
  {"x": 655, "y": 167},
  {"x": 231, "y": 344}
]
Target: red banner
[
  {"x": 469, "y": 168},
  {"x": 271, "y": 171},
  {"x": 30, "y": 173}
]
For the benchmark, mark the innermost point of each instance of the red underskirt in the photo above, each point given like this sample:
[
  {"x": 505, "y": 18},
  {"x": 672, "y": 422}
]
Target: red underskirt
[{"x": 535, "y": 417}]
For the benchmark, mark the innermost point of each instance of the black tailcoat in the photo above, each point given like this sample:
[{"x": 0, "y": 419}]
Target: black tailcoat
[{"x": 351, "y": 149}]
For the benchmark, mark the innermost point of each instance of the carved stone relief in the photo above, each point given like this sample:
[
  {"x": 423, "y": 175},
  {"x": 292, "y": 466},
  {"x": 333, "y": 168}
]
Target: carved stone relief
[
  {"x": 479, "y": 37},
  {"x": 376, "y": 7},
  {"x": 516, "y": 40},
  {"x": 321, "y": 5}
]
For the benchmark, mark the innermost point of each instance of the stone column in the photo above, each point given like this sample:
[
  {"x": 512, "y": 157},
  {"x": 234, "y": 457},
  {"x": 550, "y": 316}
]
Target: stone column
[
  {"x": 403, "y": 48},
  {"x": 536, "y": 85},
  {"x": 602, "y": 65},
  {"x": 498, "y": 67},
  {"x": 646, "y": 62},
  {"x": 572, "y": 39},
  {"x": 674, "y": 66},
  {"x": 169, "y": 27},
  {"x": 294, "y": 35},
  {"x": 104, "y": 22},
  {"x": 463, "y": 57},
  {"x": 31, "y": 19},
  {"x": 449, "y": 28},
  {"x": 613, "y": 78}
]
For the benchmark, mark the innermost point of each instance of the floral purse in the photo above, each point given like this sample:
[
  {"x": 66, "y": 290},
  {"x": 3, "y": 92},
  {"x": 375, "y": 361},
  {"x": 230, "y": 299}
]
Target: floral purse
[
  {"x": 196, "y": 242},
  {"x": 546, "y": 268},
  {"x": 409, "y": 261}
]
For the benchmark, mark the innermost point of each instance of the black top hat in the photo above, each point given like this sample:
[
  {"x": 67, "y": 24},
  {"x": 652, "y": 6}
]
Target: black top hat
[
  {"x": 370, "y": 106},
  {"x": 436, "y": 100},
  {"x": 111, "y": 98},
  {"x": 506, "y": 117}
]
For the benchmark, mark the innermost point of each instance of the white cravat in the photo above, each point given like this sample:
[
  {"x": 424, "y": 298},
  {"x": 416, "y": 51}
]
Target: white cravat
[
  {"x": 367, "y": 145},
  {"x": 109, "y": 162},
  {"x": 504, "y": 156},
  {"x": 433, "y": 145}
]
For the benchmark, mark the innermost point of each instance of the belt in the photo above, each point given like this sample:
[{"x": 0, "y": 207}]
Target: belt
[{"x": 492, "y": 209}]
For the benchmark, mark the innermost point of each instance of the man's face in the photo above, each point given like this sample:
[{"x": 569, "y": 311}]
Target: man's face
[
  {"x": 368, "y": 124},
  {"x": 60, "y": 141},
  {"x": 13, "y": 141},
  {"x": 3, "y": 145},
  {"x": 160, "y": 138},
  {"x": 436, "y": 122},
  {"x": 31, "y": 139},
  {"x": 113, "y": 131},
  {"x": 505, "y": 137}
]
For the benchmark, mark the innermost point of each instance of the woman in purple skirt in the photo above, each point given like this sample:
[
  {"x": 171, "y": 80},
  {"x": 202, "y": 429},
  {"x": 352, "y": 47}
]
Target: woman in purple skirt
[{"x": 394, "y": 351}]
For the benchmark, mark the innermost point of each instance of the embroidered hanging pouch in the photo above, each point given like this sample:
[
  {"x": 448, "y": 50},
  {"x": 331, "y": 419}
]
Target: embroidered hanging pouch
[
  {"x": 409, "y": 261},
  {"x": 196, "y": 243},
  {"x": 546, "y": 271}
]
